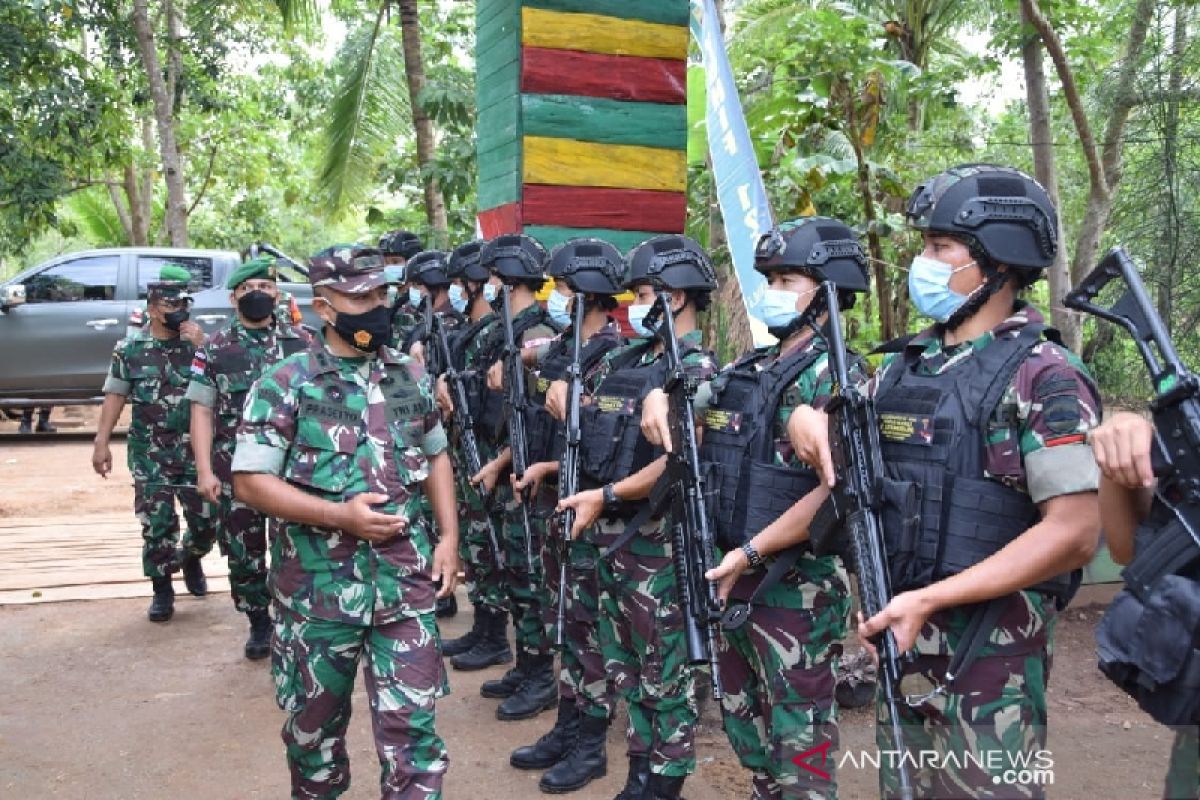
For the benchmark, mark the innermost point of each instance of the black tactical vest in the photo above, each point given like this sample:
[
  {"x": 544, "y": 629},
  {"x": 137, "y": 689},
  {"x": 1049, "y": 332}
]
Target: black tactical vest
[
  {"x": 490, "y": 417},
  {"x": 747, "y": 489},
  {"x": 941, "y": 514}
]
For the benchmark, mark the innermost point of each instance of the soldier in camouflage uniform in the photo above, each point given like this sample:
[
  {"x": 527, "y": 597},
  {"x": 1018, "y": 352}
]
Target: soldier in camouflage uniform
[
  {"x": 528, "y": 688},
  {"x": 778, "y": 664},
  {"x": 471, "y": 292},
  {"x": 398, "y": 247},
  {"x": 221, "y": 376},
  {"x": 573, "y": 751},
  {"x": 151, "y": 369},
  {"x": 641, "y": 622},
  {"x": 990, "y": 509},
  {"x": 339, "y": 442}
]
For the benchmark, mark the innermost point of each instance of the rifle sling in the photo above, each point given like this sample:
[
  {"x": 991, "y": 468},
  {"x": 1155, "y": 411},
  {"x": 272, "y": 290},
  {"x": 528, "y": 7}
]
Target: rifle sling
[
  {"x": 975, "y": 636},
  {"x": 737, "y": 614},
  {"x": 658, "y": 494}
]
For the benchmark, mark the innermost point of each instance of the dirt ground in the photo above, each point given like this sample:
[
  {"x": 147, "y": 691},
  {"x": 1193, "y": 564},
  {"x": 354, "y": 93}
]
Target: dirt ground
[{"x": 100, "y": 703}]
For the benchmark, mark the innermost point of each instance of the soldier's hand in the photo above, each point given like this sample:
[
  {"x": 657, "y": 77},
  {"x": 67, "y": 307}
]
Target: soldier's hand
[
  {"x": 556, "y": 400},
  {"x": 587, "y": 505},
  {"x": 192, "y": 332},
  {"x": 487, "y": 477},
  {"x": 101, "y": 459},
  {"x": 360, "y": 520},
  {"x": 727, "y": 572},
  {"x": 1122, "y": 448},
  {"x": 417, "y": 351},
  {"x": 535, "y": 475},
  {"x": 445, "y": 567},
  {"x": 656, "y": 425},
  {"x": 808, "y": 430},
  {"x": 906, "y": 614},
  {"x": 443, "y": 397},
  {"x": 208, "y": 486},
  {"x": 495, "y": 377}
]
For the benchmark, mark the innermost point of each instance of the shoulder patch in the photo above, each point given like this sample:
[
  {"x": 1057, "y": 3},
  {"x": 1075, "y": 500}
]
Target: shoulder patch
[{"x": 199, "y": 362}]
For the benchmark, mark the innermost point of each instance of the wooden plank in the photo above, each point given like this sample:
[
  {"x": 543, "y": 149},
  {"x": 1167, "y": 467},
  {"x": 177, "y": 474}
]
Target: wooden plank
[
  {"x": 590, "y": 119},
  {"x": 218, "y": 588},
  {"x": 565, "y": 162},
  {"x": 501, "y": 219},
  {"x": 668, "y": 12},
  {"x": 592, "y": 207},
  {"x": 571, "y": 72},
  {"x": 624, "y": 241},
  {"x": 595, "y": 33}
]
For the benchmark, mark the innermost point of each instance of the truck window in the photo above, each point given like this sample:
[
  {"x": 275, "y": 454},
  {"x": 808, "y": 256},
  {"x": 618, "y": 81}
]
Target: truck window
[
  {"x": 78, "y": 280},
  {"x": 148, "y": 268}
]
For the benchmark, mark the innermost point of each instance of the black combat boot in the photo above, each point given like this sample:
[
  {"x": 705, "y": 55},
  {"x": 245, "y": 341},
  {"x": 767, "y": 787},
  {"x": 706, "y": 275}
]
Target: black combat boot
[
  {"x": 163, "y": 604},
  {"x": 491, "y": 647},
  {"x": 43, "y": 423},
  {"x": 663, "y": 787},
  {"x": 538, "y": 692},
  {"x": 193, "y": 576},
  {"x": 446, "y": 607},
  {"x": 258, "y": 645},
  {"x": 639, "y": 776},
  {"x": 587, "y": 760},
  {"x": 553, "y": 746},
  {"x": 507, "y": 685},
  {"x": 452, "y": 647}
]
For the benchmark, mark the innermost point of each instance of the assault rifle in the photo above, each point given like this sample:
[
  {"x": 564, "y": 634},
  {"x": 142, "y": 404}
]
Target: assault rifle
[
  {"x": 852, "y": 512},
  {"x": 692, "y": 539},
  {"x": 1176, "y": 407},
  {"x": 464, "y": 423},
  {"x": 518, "y": 404},
  {"x": 568, "y": 463}
]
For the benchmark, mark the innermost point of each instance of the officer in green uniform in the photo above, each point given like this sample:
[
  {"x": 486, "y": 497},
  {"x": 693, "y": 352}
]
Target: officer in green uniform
[
  {"x": 339, "y": 443},
  {"x": 152, "y": 370},
  {"x": 222, "y": 372},
  {"x": 990, "y": 505}
]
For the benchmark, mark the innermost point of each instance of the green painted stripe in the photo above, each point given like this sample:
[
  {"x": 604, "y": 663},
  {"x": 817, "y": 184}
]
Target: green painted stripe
[
  {"x": 498, "y": 192},
  {"x": 669, "y": 12},
  {"x": 592, "y": 119},
  {"x": 498, "y": 160},
  {"x": 551, "y": 236},
  {"x": 487, "y": 11}
]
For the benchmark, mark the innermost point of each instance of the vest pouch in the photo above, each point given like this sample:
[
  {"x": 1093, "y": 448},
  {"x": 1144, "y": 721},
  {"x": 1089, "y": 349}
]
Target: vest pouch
[
  {"x": 719, "y": 520},
  {"x": 602, "y": 459},
  {"x": 770, "y": 491},
  {"x": 901, "y": 530},
  {"x": 1151, "y": 650},
  {"x": 490, "y": 422}
]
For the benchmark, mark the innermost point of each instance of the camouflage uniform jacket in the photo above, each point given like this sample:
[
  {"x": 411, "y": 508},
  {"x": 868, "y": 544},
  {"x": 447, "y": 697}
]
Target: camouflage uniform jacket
[
  {"x": 1036, "y": 444},
  {"x": 224, "y": 368},
  {"x": 338, "y": 427},
  {"x": 154, "y": 374}
]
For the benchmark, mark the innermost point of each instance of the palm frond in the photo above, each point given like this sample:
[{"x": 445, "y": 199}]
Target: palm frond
[
  {"x": 93, "y": 210},
  {"x": 370, "y": 113},
  {"x": 295, "y": 12}
]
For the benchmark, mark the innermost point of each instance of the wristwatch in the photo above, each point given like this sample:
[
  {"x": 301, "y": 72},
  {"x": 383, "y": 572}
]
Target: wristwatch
[
  {"x": 610, "y": 496},
  {"x": 752, "y": 555}
]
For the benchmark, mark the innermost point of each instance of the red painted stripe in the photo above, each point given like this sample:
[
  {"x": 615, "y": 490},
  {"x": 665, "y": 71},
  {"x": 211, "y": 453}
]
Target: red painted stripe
[
  {"x": 594, "y": 207},
  {"x": 501, "y": 219},
  {"x": 654, "y": 80}
]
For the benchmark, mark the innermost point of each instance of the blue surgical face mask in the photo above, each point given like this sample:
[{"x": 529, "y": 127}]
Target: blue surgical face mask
[
  {"x": 458, "y": 298},
  {"x": 558, "y": 307},
  {"x": 490, "y": 291},
  {"x": 414, "y": 296},
  {"x": 929, "y": 288},
  {"x": 637, "y": 318},
  {"x": 777, "y": 309}
]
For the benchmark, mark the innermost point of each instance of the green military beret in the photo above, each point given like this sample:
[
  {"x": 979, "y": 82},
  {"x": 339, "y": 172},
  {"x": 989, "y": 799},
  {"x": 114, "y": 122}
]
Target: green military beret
[
  {"x": 174, "y": 272},
  {"x": 261, "y": 267}
]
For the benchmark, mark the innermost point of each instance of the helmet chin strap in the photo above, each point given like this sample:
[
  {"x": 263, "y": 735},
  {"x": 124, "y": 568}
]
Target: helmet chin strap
[
  {"x": 994, "y": 281},
  {"x": 806, "y": 318}
]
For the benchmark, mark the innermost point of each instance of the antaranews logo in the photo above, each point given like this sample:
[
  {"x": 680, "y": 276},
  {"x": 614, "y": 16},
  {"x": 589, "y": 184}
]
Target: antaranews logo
[{"x": 1006, "y": 767}]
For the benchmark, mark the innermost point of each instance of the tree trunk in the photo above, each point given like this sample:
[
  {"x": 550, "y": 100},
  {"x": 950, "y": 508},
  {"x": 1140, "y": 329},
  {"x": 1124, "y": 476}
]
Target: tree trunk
[
  {"x": 119, "y": 203},
  {"x": 1041, "y": 140},
  {"x": 883, "y": 287},
  {"x": 145, "y": 207},
  {"x": 414, "y": 72},
  {"x": 1168, "y": 261},
  {"x": 164, "y": 107}
]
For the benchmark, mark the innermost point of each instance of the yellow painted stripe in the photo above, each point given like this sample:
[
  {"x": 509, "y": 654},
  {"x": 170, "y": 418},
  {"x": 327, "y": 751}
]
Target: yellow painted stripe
[
  {"x": 567, "y": 162},
  {"x": 593, "y": 33}
]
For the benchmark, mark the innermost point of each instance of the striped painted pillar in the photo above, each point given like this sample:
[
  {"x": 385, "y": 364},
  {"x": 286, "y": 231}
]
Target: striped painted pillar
[{"x": 582, "y": 118}]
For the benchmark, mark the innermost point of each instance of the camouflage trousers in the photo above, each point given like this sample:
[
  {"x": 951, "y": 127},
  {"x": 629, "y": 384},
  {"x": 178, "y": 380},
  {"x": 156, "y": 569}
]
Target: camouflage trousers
[
  {"x": 154, "y": 504},
  {"x": 645, "y": 656},
  {"x": 243, "y": 541},
  {"x": 1183, "y": 775},
  {"x": 485, "y": 582},
  {"x": 994, "y": 719},
  {"x": 313, "y": 662},
  {"x": 582, "y": 676},
  {"x": 524, "y": 577},
  {"x": 779, "y": 673}
]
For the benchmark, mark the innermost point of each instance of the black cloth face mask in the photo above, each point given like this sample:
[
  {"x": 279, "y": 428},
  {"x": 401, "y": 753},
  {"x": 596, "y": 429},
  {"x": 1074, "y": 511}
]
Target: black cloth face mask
[
  {"x": 256, "y": 305},
  {"x": 367, "y": 331}
]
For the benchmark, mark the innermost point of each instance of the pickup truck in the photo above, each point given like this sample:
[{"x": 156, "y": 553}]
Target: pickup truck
[{"x": 60, "y": 320}]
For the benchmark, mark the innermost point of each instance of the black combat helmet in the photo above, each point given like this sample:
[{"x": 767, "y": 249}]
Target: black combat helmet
[
  {"x": 516, "y": 257},
  {"x": 429, "y": 268},
  {"x": 588, "y": 266},
  {"x": 405, "y": 244},
  {"x": 670, "y": 262},
  {"x": 999, "y": 211},
  {"x": 464, "y": 262},
  {"x": 823, "y": 248}
]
